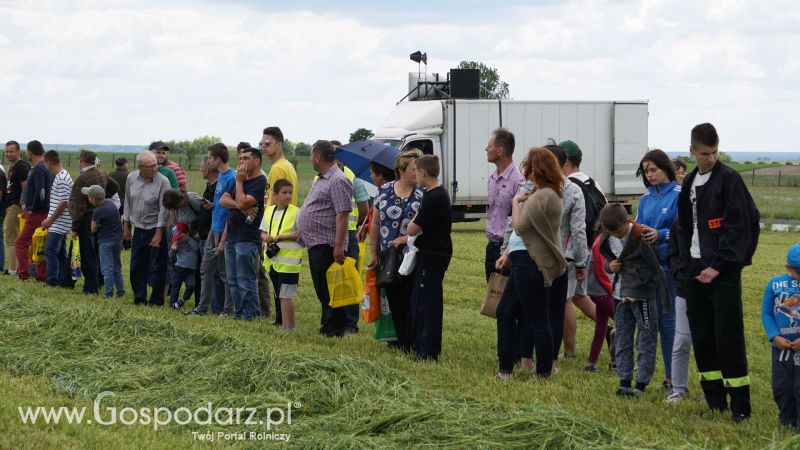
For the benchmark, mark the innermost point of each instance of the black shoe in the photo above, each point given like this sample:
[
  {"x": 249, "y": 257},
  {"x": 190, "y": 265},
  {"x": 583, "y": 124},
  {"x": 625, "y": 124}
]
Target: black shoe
[
  {"x": 739, "y": 418},
  {"x": 195, "y": 312},
  {"x": 591, "y": 369}
]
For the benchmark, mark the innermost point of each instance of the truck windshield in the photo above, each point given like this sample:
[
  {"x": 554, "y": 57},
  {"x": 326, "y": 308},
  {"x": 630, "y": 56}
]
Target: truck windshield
[{"x": 392, "y": 142}]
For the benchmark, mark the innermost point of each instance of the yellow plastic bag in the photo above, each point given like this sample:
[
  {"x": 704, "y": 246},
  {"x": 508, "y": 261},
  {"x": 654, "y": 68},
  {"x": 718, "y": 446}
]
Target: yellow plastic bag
[
  {"x": 38, "y": 245},
  {"x": 362, "y": 249},
  {"x": 344, "y": 284},
  {"x": 21, "y": 222}
]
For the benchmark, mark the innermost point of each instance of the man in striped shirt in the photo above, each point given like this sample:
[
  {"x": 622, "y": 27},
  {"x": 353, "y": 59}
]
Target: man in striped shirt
[
  {"x": 58, "y": 221},
  {"x": 161, "y": 151},
  {"x": 323, "y": 222}
]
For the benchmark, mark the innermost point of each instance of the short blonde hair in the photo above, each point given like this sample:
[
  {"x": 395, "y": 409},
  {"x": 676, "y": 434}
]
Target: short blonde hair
[{"x": 404, "y": 159}]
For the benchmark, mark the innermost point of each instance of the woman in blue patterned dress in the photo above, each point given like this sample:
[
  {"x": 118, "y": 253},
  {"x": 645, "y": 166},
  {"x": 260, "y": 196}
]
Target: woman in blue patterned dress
[{"x": 396, "y": 204}]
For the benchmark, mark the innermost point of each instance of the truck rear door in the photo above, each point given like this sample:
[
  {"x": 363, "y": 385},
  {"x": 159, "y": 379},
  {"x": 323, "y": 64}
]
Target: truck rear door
[{"x": 630, "y": 145}]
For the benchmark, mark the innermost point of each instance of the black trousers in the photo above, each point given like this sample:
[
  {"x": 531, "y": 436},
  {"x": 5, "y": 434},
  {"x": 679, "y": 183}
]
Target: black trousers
[
  {"x": 556, "y": 301},
  {"x": 492, "y": 255},
  {"x": 332, "y": 320},
  {"x": 715, "y": 320},
  {"x": 786, "y": 386},
  {"x": 399, "y": 297},
  {"x": 427, "y": 306},
  {"x": 90, "y": 267}
]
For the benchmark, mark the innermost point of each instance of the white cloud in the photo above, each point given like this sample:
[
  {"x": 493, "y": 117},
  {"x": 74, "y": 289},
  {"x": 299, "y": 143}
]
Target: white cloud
[{"x": 127, "y": 72}]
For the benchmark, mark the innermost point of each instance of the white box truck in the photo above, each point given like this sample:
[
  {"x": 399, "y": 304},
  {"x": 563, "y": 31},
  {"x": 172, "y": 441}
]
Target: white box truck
[{"x": 612, "y": 136}]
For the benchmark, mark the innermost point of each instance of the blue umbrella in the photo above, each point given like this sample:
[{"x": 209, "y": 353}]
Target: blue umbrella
[{"x": 357, "y": 156}]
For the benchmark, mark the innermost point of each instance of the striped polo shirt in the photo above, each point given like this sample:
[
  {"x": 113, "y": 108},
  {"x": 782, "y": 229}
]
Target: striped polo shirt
[{"x": 62, "y": 186}]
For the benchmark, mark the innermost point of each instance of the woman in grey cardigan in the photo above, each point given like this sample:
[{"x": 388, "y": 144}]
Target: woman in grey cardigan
[{"x": 536, "y": 260}]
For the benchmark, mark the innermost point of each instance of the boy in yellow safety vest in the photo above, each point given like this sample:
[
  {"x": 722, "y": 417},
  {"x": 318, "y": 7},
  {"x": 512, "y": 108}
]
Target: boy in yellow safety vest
[{"x": 283, "y": 254}]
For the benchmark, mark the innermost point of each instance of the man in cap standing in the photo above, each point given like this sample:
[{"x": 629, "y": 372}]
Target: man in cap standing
[
  {"x": 81, "y": 212},
  {"x": 161, "y": 150}
]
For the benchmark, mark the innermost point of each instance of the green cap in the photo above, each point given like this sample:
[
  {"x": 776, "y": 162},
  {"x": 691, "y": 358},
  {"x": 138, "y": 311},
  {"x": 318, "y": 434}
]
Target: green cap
[{"x": 572, "y": 149}]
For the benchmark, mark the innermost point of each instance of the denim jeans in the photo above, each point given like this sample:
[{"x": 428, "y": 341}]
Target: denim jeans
[
  {"x": 241, "y": 264},
  {"x": 55, "y": 251},
  {"x": 111, "y": 267},
  {"x": 666, "y": 326},
  {"x": 148, "y": 266}
]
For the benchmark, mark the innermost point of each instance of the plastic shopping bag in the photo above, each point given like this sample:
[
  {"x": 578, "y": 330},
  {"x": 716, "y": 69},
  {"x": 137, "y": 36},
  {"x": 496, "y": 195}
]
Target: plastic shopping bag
[
  {"x": 409, "y": 256},
  {"x": 384, "y": 327},
  {"x": 362, "y": 250},
  {"x": 38, "y": 242},
  {"x": 344, "y": 284},
  {"x": 371, "y": 303}
]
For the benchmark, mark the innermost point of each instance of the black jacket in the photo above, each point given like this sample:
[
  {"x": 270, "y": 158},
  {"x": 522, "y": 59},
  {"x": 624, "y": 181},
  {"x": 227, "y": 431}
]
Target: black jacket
[
  {"x": 641, "y": 274},
  {"x": 727, "y": 219},
  {"x": 677, "y": 258}
]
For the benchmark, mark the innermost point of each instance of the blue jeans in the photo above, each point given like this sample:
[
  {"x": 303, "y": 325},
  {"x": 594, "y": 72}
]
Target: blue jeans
[
  {"x": 666, "y": 327},
  {"x": 241, "y": 264},
  {"x": 111, "y": 267},
  {"x": 55, "y": 252},
  {"x": 148, "y": 266}
]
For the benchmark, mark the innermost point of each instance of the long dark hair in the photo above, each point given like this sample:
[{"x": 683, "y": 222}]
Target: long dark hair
[{"x": 661, "y": 160}]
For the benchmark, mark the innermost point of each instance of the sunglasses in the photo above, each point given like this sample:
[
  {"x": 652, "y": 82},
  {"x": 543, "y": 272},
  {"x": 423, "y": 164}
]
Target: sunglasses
[{"x": 265, "y": 143}]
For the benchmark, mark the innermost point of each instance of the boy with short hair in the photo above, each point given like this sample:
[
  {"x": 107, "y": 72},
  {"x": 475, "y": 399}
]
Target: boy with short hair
[
  {"x": 432, "y": 223},
  {"x": 638, "y": 280},
  {"x": 186, "y": 248},
  {"x": 779, "y": 315},
  {"x": 107, "y": 226},
  {"x": 283, "y": 254}
]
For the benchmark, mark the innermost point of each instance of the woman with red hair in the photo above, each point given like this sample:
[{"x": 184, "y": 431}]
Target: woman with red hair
[{"x": 534, "y": 250}]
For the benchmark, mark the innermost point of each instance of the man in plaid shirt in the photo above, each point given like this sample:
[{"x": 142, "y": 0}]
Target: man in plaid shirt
[{"x": 323, "y": 229}]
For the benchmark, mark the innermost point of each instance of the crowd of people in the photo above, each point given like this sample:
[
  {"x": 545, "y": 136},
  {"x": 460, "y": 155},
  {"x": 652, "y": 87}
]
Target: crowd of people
[{"x": 671, "y": 275}]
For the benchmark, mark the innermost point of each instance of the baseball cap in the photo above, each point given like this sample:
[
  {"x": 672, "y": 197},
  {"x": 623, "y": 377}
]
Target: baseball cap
[
  {"x": 157, "y": 145},
  {"x": 87, "y": 156},
  {"x": 94, "y": 191},
  {"x": 180, "y": 229},
  {"x": 571, "y": 148},
  {"x": 793, "y": 257}
]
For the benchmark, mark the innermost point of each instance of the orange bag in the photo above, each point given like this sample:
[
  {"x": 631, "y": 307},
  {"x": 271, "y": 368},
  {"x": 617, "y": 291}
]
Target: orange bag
[{"x": 371, "y": 304}]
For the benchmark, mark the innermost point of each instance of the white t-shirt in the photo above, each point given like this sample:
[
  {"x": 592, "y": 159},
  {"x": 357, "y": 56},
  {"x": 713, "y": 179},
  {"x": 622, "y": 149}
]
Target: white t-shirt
[
  {"x": 699, "y": 180},
  {"x": 584, "y": 178}
]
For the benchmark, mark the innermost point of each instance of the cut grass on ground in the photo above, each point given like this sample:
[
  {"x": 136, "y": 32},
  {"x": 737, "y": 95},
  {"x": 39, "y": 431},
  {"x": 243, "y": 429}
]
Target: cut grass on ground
[{"x": 62, "y": 348}]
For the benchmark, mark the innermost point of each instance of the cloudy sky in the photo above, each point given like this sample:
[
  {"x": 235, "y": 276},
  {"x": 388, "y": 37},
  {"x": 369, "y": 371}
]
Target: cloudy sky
[{"x": 127, "y": 72}]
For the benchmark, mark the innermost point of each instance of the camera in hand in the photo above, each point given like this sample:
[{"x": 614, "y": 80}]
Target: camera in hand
[{"x": 272, "y": 250}]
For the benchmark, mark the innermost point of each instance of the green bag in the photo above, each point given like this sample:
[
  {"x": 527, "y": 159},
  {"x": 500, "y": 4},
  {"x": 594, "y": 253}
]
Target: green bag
[{"x": 384, "y": 326}]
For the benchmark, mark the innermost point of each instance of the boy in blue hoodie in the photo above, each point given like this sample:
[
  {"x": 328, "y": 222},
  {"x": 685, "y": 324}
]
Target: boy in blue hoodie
[{"x": 780, "y": 315}]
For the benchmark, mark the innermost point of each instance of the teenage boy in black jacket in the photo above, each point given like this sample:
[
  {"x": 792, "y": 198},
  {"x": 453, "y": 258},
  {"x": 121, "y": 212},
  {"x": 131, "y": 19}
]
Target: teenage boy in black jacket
[{"x": 719, "y": 226}]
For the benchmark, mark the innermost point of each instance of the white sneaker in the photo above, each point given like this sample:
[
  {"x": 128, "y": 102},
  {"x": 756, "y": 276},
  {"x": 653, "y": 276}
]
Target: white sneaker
[{"x": 676, "y": 397}]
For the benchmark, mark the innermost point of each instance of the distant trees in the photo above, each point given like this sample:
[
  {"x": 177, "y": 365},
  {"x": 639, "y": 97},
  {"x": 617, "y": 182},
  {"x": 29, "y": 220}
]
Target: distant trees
[
  {"x": 191, "y": 150},
  {"x": 361, "y": 134},
  {"x": 490, "y": 79}
]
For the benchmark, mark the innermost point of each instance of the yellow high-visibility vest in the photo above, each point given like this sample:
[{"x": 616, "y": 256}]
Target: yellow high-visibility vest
[{"x": 290, "y": 256}]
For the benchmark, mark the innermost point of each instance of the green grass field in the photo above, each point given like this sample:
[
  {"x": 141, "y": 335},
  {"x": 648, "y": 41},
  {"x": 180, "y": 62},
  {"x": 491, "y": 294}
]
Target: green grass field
[{"x": 60, "y": 348}]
